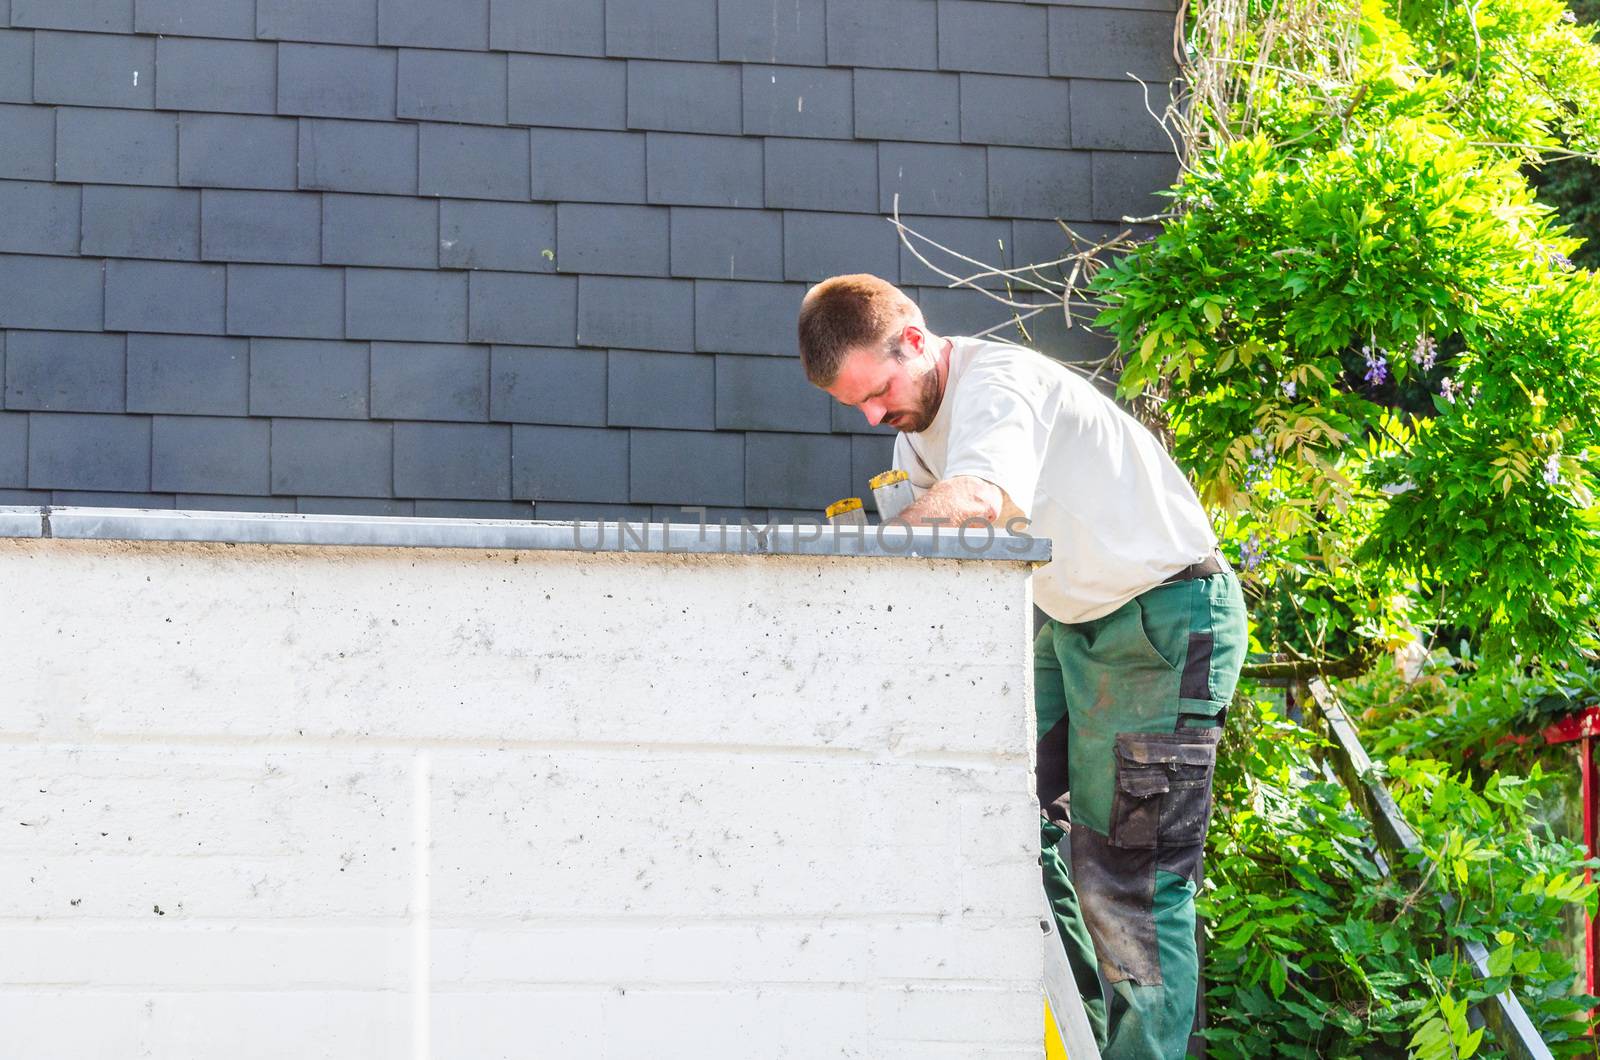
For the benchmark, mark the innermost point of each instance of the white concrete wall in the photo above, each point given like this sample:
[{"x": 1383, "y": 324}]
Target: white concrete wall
[{"x": 294, "y": 801}]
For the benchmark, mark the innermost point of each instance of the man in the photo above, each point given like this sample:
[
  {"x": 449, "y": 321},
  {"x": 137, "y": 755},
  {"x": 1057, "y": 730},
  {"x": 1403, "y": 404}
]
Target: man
[{"x": 1146, "y": 632}]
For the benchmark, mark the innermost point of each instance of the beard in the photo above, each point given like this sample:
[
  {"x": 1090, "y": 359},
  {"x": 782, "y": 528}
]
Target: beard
[{"x": 920, "y": 416}]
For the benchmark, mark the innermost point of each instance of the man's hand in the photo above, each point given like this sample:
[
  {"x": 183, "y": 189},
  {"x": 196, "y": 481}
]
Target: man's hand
[{"x": 953, "y": 501}]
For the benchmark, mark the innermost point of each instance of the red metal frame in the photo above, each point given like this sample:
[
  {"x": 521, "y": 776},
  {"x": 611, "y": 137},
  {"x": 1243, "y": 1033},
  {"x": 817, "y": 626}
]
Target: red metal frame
[{"x": 1584, "y": 727}]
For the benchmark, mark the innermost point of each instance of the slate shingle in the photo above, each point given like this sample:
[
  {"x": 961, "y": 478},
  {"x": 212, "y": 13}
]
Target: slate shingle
[
  {"x": 367, "y": 156},
  {"x": 569, "y": 464},
  {"x": 332, "y": 458},
  {"x": 1018, "y": 111},
  {"x": 308, "y": 379},
  {"x": 819, "y": 245},
  {"x": 65, "y": 371},
  {"x": 517, "y": 237},
  {"x": 686, "y": 467},
  {"x": 469, "y": 461},
  {"x": 1125, "y": 183},
  {"x": 288, "y": 301},
  {"x": 523, "y": 310},
  {"x": 984, "y": 240},
  {"x": 460, "y": 24},
  {"x": 633, "y": 313},
  {"x": 731, "y": 317},
  {"x": 768, "y": 394},
  {"x": 210, "y": 454},
  {"x": 335, "y": 81},
  {"x": 773, "y": 31},
  {"x": 185, "y": 299},
  {"x": 214, "y": 75},
  {"x": 261, "y": 226},
  {"x": 197, "y": 375},
  {"x": 562, "y": 91},
  {"x": 1117, "y": 115},
  {"x": 538, "y": 385},
  {"x": 380, "y": 230},
  {"x": 37, "y": 217},
  {"x": 908, "y": 105},
  {"x": 58, "y": 293},
  {"x": 94, "y": 70},
  {"x": 352, "y": 506},
  {"x": 84, "y": 451},
  {"x": 869, "y": 456},
  {"x": 224, "y": 151},
  {"x": 993, "y": 38},
  {"x": 661, "y": 390},
  {"x": 1031, "y": 182},
  {"x": 692, "y": 170},
  {"x": 727, "y": 244},
  {"x": 662, "y": 29},
  {"x": 901, "y": 34},
  {"x": 185, "y": 18},
  {"x": 112, "y": 499},
  {"x": 1094, "y": 42},
  {"x": 469, "y": 162},
  {"x": 16, "y": 66},
  {"x": 559, "y": 26},
  {"x": 430, "y": 508},
  {"x": 933, "y": 179},
  {"x": 821, "y": 175},
  {"x": 575, "y": 166},
  {"x": 141, "y": 222},
  {"x": 14, "y": 457},
  {"x": 684, "y": 97},
  {"x": 798, "y": 101},
  {"x": 88, "y": 452},
  {"x": 29, "y": 134},
  {"x": 619, "y": 240},
  {"x": 452, "y": 86},
  {"x": 116, "y": 146},
  {"x": 103, "y": 16},
  {"x": 405, "y": 304},
  {"x": 224, "y": 502},
  {"x": 583, "y": 512},
  {"x": 334, "y": 21},
  {"x": 426, "y": 381},
  {"x": 796, "y": 470}
]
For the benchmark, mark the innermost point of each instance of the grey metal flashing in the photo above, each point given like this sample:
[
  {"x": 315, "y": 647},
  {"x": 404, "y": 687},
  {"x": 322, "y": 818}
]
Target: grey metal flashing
[
  {"x": 891, "y": 541},
  {"x": 21, "y": 522}
]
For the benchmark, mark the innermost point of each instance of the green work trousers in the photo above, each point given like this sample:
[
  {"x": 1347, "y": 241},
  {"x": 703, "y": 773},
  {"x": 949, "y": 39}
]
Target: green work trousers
[{"x": 1130, "y": 707}]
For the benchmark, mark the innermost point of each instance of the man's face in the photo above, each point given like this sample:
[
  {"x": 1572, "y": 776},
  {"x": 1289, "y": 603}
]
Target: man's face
[{"x": 900, "y": 391}]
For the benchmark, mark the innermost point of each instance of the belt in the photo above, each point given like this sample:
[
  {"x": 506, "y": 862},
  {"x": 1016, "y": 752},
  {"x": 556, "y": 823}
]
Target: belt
[{"x": 1215, "y": 563}]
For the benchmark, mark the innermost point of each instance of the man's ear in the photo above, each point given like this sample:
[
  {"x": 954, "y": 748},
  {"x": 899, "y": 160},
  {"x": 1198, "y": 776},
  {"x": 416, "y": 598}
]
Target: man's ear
[{"x": 912, "y": 336}]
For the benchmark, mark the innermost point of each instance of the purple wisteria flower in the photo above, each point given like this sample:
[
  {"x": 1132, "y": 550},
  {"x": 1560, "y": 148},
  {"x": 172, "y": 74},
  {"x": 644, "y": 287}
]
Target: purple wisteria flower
[
  {"x": 1262, "y": 461},
  {"x": 1377, "y": 365},
  {"x": 1552, "y": 468},
  {"x": 1289, "y": 388},
  {"x": 1425, "y": 353},
  {"x": 1448, "y": 389},
  {"x": 1250, "y": 553}
]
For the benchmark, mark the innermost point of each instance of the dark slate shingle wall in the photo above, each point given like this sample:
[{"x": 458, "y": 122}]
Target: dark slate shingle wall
[{"x": 452, "y": 256}]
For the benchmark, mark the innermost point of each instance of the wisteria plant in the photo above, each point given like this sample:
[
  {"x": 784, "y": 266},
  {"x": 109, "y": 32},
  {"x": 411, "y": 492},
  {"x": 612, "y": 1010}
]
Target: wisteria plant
[{"x": 1375, "y": 352}]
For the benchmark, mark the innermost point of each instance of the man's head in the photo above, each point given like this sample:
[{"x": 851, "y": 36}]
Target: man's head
[{"x": 863, "y": 341}]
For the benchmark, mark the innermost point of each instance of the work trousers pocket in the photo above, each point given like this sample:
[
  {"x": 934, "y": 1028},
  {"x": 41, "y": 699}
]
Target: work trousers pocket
[{"x": 1163, "y": 788}]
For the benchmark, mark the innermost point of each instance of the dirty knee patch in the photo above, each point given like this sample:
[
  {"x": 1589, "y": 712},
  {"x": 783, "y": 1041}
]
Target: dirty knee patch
[{"x": 1116, "y": 891}]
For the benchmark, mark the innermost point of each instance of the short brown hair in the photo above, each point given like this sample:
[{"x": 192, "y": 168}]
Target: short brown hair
[{"x": 846, "y": 312}]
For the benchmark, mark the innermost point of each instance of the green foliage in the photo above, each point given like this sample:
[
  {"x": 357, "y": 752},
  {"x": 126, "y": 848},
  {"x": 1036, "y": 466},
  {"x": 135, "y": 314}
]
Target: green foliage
[
  {"x": 1313, "y": 951},
  {"x": 1380, "y": 362}
]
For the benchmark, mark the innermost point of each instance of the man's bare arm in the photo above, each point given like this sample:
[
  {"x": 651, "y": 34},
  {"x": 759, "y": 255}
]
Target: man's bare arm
[{"x": 953, "y": 501}]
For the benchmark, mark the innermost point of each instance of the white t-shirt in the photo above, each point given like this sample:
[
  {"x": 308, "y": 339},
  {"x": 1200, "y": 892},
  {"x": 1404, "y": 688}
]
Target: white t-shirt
[{"x": 1090, "y": 477}]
